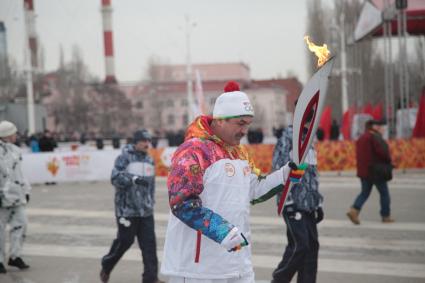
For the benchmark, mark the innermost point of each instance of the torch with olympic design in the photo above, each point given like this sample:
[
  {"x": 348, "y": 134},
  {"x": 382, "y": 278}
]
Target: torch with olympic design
[{"x": 311, "y": 100}]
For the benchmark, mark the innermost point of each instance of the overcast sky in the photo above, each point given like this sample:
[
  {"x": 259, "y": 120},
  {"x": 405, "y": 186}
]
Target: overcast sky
[{"x": 267, "y": 35}]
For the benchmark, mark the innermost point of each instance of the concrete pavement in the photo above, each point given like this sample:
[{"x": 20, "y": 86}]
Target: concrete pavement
[{"x": 72, "y": 225}]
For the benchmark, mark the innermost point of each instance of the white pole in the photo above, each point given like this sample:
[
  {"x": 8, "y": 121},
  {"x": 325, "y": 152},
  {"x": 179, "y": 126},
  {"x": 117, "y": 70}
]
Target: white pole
[
  {"x": 400, "y": 76},
  {"x": 386, "y": 69},
  {"x": 391, "y": 81},
  {"x": 29, "y": 83},
  {"x": 343, "y": 65},
  {"x": 406, "y": 65},
  {"x": 189, "y": 71}
]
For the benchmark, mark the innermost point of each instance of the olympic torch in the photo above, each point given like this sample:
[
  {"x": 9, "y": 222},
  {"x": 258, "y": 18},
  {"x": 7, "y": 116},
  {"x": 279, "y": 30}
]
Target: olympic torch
[{"x": 311, "y": 100}]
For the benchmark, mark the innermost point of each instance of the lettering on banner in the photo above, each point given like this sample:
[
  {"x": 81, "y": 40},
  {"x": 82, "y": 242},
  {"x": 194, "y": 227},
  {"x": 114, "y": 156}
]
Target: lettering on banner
[{"x": 75, "y": 160}]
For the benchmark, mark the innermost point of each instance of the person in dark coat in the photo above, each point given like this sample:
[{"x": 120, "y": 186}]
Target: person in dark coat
[
  {"x": 334, "y": 135},
  {"x": 47, "y": 142},
  {"x": 371, "y": 151}
]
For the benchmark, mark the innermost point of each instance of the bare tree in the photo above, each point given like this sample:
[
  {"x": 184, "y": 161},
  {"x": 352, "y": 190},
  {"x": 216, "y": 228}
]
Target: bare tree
[
  {"x": 70, "y": 107},
  {"x": 110, "y": 110},
  {"x": 317, "y": 29},
  {"x": 83, "y": 106},
  {"x": 11, "y": 82},
  {"x": 365, "y": 66},
  {"x": 417, "y": 69}
]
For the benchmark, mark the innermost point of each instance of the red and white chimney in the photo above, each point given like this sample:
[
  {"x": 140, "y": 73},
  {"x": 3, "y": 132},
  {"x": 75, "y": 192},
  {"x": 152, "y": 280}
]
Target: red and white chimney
[
  {"x": 32, "y": 36},
  {"x": 108, "y": 42}
]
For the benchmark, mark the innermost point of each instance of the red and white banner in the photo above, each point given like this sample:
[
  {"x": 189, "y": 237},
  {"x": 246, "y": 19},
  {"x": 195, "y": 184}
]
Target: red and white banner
[{"x": 69, "y": 166}]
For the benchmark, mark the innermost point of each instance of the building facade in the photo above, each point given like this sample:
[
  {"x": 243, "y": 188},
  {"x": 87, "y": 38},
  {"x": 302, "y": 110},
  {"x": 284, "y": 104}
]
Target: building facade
[{"x": 161, "y": 104}]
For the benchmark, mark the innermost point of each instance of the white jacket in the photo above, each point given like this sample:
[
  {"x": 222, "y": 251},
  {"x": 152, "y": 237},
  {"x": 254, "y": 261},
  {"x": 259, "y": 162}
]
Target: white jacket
[
  {"x": 229, "y": 186},
  {"x": 13, "y": 185}
]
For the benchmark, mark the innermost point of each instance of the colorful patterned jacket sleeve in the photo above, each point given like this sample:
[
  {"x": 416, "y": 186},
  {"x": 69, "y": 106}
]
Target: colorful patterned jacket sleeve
[{"x": 185, "y": 184}]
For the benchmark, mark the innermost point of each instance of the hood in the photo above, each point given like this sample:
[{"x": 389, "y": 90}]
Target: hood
[
  {"x": 200, "y": 128},
  {"x": 129, "y": 149}
]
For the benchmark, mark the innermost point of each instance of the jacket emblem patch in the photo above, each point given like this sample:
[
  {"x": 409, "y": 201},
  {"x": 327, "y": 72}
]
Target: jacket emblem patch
[
  {"x": 246, "y": 170},
  {"x": 229, "y": 169}
]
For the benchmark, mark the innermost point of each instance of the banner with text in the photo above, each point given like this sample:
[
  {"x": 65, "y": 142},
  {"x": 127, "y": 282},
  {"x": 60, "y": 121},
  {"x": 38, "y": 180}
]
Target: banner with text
[{"x": 96, "y": 165}]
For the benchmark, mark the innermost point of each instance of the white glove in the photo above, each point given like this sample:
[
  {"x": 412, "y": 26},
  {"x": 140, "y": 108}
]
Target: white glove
[{"x": 234, "y": 240}]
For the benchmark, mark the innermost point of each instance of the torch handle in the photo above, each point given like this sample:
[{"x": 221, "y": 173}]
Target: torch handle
[{"x": 284, "y": 195}]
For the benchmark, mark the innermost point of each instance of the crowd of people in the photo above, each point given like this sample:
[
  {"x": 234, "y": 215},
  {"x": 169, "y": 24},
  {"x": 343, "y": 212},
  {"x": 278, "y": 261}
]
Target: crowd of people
[{"x": 211, "y": 185}]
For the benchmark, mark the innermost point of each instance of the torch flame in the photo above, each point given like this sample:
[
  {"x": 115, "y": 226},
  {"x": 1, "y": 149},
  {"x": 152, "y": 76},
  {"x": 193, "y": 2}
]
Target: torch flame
[{"x": 322, "y": 52}]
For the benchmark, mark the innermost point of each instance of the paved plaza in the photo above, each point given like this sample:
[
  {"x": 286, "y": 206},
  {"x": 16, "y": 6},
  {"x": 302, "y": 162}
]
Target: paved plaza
[{"x": 71, "y": 226}]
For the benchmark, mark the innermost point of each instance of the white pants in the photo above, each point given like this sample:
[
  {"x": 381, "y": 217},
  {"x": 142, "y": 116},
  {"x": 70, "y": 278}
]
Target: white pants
[
  {"x": 247, "y": 279},
  {"x": 17, "y": 219}
]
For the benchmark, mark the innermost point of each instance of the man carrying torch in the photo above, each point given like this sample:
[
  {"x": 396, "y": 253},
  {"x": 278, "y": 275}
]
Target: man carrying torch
[{"x": 211, "y": 184}]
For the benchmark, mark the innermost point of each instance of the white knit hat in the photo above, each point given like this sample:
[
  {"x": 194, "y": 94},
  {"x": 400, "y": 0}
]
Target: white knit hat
[
  {"x": 232, "y": 103},
  {"x": 7, "y": 129}
]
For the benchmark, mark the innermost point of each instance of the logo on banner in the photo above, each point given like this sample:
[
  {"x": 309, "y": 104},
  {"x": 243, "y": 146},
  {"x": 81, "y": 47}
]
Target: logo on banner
[{"x": 53, "y": 166}]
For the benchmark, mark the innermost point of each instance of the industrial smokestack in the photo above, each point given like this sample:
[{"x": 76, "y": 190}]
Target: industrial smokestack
[
  {"x": 32, "y": 36},
  {"x": 108, "y": 42}
]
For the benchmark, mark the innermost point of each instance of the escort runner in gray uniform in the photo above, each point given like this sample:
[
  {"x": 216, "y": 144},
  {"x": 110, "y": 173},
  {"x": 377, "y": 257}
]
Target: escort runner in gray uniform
[
  {"x": 302, "y": 212},
  {"x": 133, "y": 177}
]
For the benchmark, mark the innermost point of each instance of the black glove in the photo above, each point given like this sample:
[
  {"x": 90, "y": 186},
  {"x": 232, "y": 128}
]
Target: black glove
[
  {"x": 27, "y": 197},
  {"x": 292, "y": 165},
  {"x": 140, "y": 181},
  {"x": 319, "y": 215}
]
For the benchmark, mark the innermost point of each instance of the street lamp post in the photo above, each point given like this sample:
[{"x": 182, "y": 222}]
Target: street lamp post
[
  {"x": 189, "y": 75},
  {"x": 344, "y": 84},
  {"x": 28, "y": 71}
]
